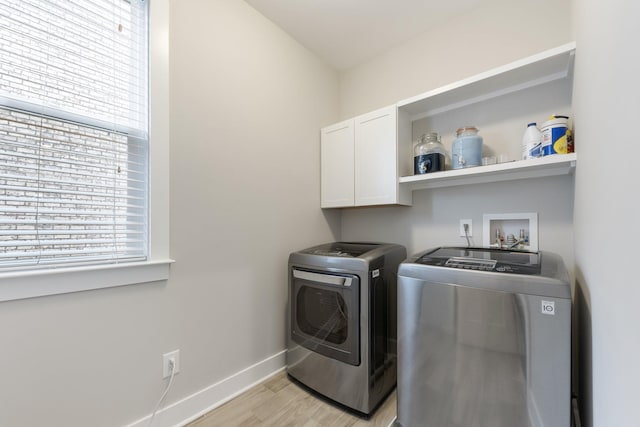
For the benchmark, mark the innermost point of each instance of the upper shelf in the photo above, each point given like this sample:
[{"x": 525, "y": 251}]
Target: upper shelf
[
  {"x": 557, "y": 164},
  {"x": 553, "y": 64}
]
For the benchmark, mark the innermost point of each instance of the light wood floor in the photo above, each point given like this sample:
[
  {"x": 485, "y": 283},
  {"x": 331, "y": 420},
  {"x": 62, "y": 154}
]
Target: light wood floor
[{"x": 280, "y": 402}]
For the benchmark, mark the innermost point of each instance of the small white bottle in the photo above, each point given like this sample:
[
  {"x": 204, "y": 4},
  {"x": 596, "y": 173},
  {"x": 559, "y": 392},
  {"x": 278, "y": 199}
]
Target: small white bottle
[{"x": 531, "y": 142}]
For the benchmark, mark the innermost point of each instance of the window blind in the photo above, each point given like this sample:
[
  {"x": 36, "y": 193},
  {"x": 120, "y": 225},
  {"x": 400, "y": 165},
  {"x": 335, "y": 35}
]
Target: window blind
[{"x": 73, "y": 132}]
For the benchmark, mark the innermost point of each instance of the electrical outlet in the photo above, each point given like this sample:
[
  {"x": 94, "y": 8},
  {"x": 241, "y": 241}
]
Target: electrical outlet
[
  {"x": 166, "y": 369},
  {"x": 469, "y": 223}
]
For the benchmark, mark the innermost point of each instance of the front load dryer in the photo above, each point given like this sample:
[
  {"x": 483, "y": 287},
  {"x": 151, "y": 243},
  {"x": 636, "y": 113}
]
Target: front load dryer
[{"x": 341, "y": 332}]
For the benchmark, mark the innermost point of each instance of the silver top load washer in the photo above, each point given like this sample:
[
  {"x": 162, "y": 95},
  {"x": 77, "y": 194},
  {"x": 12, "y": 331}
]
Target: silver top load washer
[{"x": 484, "y": 339}]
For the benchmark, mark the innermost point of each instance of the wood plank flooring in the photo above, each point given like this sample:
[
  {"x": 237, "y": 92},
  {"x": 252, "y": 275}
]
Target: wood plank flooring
[{"x": 280, "y": 402}]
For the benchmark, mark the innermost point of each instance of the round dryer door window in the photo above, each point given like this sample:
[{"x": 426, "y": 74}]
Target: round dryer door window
[{"x": 325, "y": 314}]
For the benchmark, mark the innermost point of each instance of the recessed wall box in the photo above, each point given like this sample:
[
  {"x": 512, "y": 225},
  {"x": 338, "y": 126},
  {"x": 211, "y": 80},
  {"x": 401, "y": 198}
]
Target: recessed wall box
[{"x": 513, "y": 230}]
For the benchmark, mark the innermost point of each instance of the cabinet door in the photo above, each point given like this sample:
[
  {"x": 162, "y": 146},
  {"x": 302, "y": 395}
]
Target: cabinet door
[
  {"x": 376, "y": 177},
  {"x": 336, "y": 165}
]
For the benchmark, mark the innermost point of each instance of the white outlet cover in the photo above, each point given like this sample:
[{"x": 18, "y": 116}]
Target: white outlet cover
[
  {"x": 462, "y": 223},
  {"x": 175, "y": 355}
]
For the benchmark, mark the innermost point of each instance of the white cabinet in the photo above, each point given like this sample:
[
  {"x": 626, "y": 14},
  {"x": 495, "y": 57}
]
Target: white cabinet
[
  {"x": 336, "y": 165},
  {"x": 368, "y": 160},
  {"x": 376, "y": 159},
  {"x": 360, "y": 162}
]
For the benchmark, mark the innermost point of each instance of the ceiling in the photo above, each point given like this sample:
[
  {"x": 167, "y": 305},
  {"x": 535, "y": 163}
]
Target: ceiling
[{"x": 345, "y": 33}]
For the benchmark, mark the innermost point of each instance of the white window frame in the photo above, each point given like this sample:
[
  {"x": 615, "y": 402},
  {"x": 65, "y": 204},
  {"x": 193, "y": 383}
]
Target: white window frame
[{"x": 34, "y": 283}]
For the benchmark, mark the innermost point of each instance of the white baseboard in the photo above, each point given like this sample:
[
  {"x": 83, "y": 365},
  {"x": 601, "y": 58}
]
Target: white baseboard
[{"x": 199, "y": 403}]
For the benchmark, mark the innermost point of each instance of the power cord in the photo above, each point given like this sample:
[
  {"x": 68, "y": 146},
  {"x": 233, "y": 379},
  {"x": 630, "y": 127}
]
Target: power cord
[
  {"x": 166, "y": 390},
  {"x": 466, "y": 234}
]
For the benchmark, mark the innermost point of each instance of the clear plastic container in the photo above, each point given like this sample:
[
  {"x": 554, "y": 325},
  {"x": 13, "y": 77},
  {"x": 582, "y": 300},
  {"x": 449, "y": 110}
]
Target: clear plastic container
[
  {"x": 429, "y": 154},
  {"x": 467, "y": 148}
]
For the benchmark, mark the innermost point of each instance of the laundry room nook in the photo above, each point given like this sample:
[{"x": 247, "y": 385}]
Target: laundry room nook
[{"x": 337, "y": 213}]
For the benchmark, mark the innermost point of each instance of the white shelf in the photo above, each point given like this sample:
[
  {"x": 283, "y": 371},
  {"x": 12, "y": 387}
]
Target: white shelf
[
  {"x": 549, "y": 72},
  {"x": 558, "y": 164},
  {"x": 545, "y": 67}
]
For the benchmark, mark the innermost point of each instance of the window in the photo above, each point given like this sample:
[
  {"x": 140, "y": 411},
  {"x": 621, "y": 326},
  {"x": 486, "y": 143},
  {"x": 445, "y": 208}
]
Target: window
[{"x": 74, "y": 133}]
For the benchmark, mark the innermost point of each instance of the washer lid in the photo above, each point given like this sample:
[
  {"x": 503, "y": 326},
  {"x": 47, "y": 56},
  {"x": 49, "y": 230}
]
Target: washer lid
[
  {"x": 342, "y": 249},
  {"x": 485, "y": 259}
]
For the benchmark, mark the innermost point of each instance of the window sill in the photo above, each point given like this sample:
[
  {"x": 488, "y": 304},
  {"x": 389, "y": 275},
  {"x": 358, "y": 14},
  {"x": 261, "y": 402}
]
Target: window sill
[{"x": 29, "y": 284}]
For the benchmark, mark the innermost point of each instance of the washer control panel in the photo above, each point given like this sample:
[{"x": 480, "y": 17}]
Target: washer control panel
[
  {"x": 483, "y": 259},
  {"x": 470, "y": 263}
]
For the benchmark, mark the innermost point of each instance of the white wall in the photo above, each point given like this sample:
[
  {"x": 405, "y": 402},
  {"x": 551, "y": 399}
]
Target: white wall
[
  {"x": 245, "y": 97},
  {"x": 247, "y": 104},
  {"x": 607, "y": 106},
  {"x": 433, "y": 219},
  {"x": 497, "y": 33}
]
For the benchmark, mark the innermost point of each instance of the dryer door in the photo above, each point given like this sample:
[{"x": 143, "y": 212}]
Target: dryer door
[{"x": 325, "y": 309}]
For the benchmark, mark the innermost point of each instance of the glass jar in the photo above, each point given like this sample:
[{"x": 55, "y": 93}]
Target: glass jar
[
  {"x": 429, "y": 154},
  {"x": 467, "y": 148}
]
